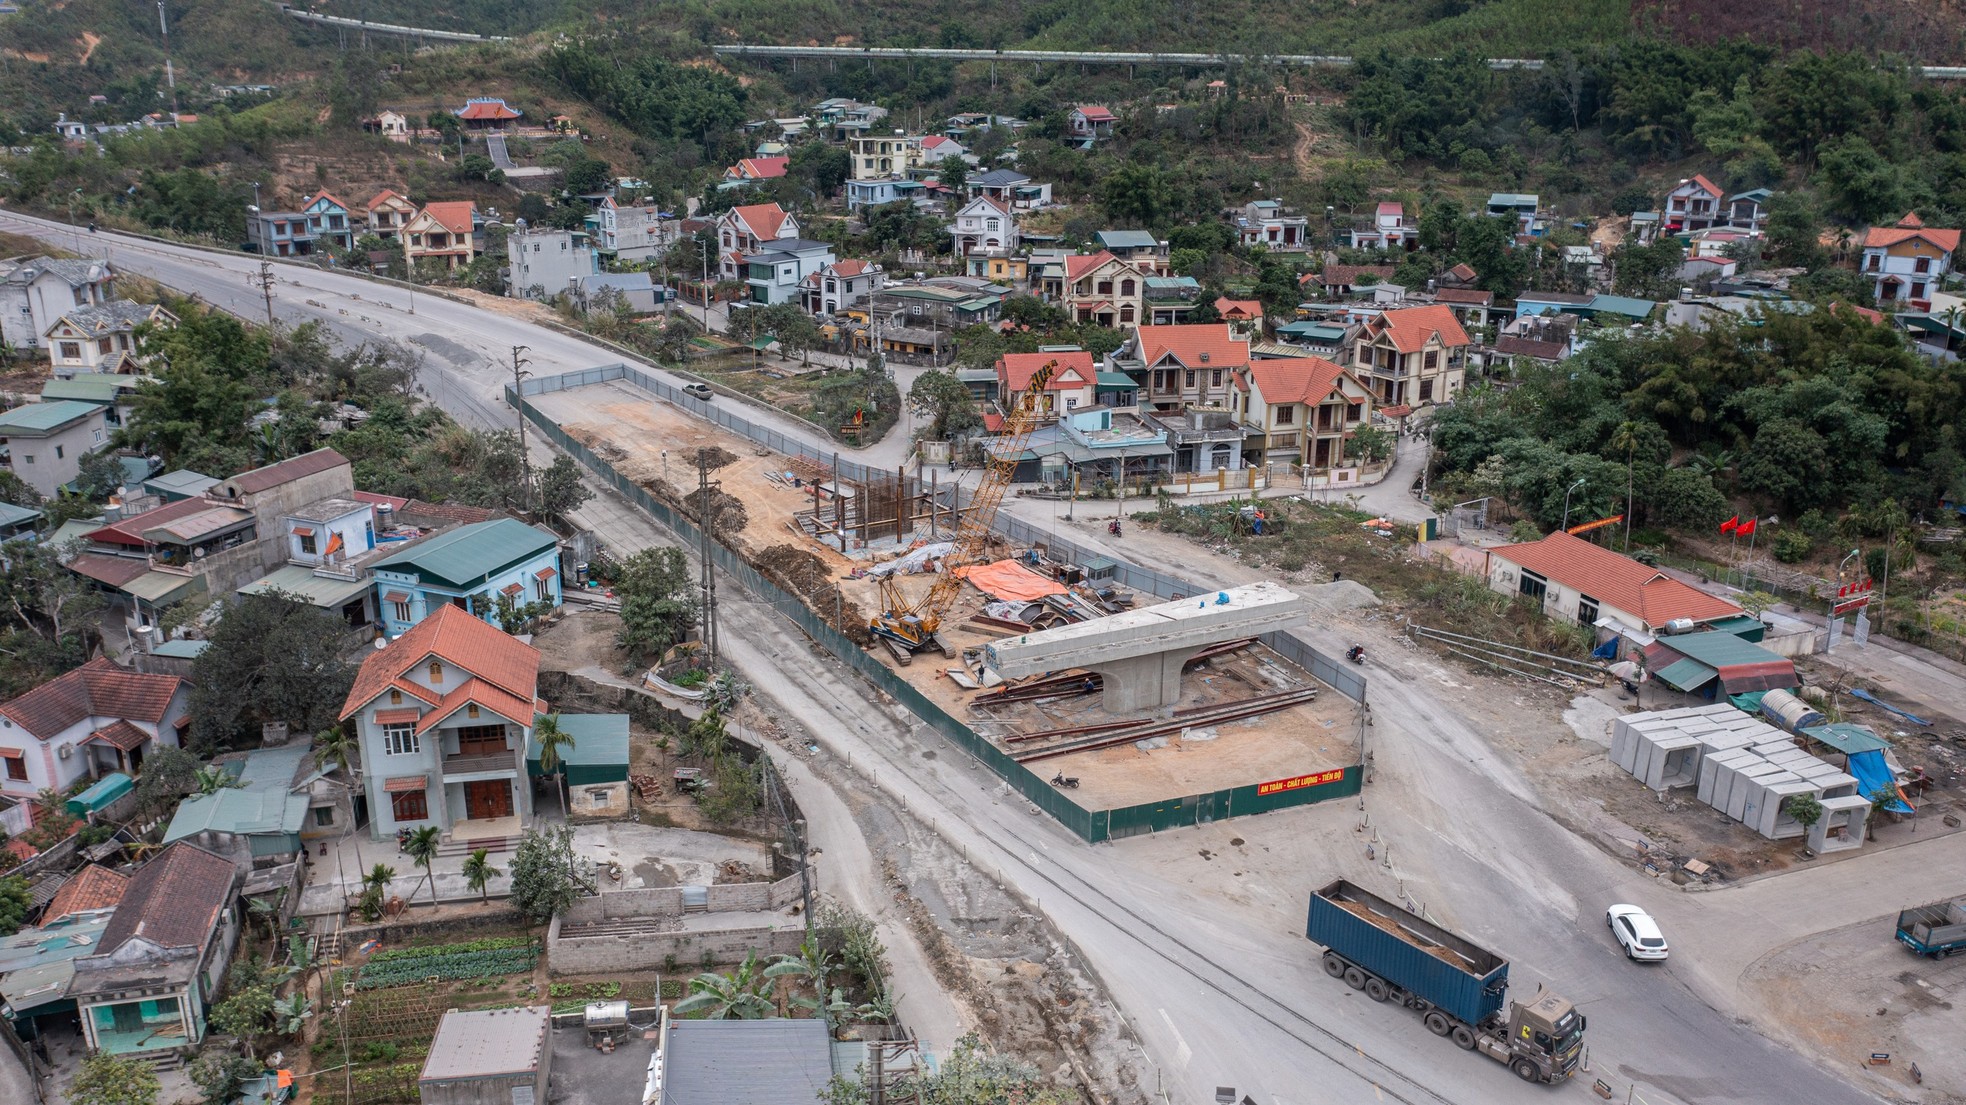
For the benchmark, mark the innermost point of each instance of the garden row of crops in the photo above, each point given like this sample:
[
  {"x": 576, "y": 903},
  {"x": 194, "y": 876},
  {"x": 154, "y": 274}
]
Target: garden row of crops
[{"x": 444, "y": 962}]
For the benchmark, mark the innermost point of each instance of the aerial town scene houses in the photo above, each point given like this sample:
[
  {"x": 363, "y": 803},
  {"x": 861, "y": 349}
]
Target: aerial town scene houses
[{"x": 979, "y": 560}]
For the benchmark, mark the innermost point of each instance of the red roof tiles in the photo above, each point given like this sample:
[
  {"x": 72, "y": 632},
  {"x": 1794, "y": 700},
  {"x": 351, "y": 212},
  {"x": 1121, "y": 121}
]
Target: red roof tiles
[
  {"x": 1909, "y": 227},
  {"x": 762, "y": 168},
  {"x": 1295, "y": 379},
  {"x": 452, "y": 215},
  {"x": 174, "y": 901},
  {"x": 119, "y": 734},
  {"x": 487, "y": 109},
  {"x": 98, "y": 688},
  {"x": 1614, "y": 580},
  {"x": 93, "y": 887},
  {"x": 1240, "y": 309},
  {"x": 1194, "y": 345},
  {"x": 1412, "y": 327},
  {"x": 764, "y": 221},
  {"x": 458, "y": 639},
  {"x": 1075, "y": 370},
  {"x": 1079, "y": 264}
]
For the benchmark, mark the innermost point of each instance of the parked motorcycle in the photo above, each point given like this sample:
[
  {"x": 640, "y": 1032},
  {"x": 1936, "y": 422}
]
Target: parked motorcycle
[{"x": 1061, "y": 780}]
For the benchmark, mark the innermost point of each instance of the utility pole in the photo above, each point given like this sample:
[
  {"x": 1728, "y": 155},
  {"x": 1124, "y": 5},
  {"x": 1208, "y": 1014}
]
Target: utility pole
[
  {"x": 519, "y": 375},
  {"x": 705, "y": 517},
  {"x": 170, "y": 76},
  {"x": 264, "y": 281}
]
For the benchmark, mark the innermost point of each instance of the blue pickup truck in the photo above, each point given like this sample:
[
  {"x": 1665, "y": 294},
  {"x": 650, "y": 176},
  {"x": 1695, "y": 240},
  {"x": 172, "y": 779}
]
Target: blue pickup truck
[{"x": 1935, "y": 930}]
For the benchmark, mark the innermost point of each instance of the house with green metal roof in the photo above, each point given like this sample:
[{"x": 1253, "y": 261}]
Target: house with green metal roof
[
  {"x": 596, "y": 763},
  {"x": 17, "y": 521},
  {"x": 278, "y": 799},
  {"x": 45, "y": 442},
  {"x": 471, "y": 567},
  {"x": 110, "y": 390}
]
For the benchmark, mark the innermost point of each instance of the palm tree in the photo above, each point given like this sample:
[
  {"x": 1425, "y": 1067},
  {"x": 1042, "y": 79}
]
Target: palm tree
[
  {"x": 335, "y": 748},
  {"x": 211, "y": 780},
  {"x": 421, "y": 847},
  {"x": 479, "y": 871},
  {"x": 740, "y": 994},
  {"x": 374, "y": 885},
  {"x": 1625, "y": 437},
  {"x": 551, "y": 738}
]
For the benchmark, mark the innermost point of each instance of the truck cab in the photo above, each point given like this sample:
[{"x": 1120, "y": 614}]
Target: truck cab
[{"x": 1545, "y": 1038}]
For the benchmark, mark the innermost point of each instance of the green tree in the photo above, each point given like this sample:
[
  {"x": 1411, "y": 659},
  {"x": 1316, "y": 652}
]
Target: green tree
[
  {"x": 821, "y": 166},
  {"x": 110, "y": 1079},
  {"x": 100, "y": 475},
  {"x": 1138, "y": 194},
  {"x": 561, "y": 491},
  {"x": 220, "y": 1075},
  {"x": 421, "y": 846},
  {"x": 169, "y": 773},
  {"x": 743, "y": 994},
  {"x": 658, "y": 601},
  {"x": 479, "y": 871},
  {"x": 1858, "y": 182},
  {"x": 952, "y": 172},
  {"x": 969, "y": 1075},
  {"x": 545, "y": 879},
  {"x": 16, "y": 900},
  {"x": 589, "y": 176},
  {"x": 1794, "y": 229},
  {"x": 552, "y": 741},
  {"x": 945, "y": 406},
  {"x": 1648, "y": 271},
  {"x": 246, "y": 1014},
  {"x": 1369, "y": 443},
  {"x": 273, "y": 657}
]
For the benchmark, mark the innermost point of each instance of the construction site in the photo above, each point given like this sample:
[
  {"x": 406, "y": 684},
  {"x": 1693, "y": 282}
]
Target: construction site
[{"x": 1118, "y": 700}]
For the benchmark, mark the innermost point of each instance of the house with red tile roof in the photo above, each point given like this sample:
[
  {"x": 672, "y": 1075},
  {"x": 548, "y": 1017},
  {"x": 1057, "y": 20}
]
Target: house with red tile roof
[
  {"x": 144, "y": 990},
  {"x": 1299, "y": 410},
  {"x": 1102, "y": 289},
  {"x": 1573, "y": 580},
  {"x": 750, "y": 170},
  {"x": 1694, "y": 204},
  {"x": 1073, "y": 384},
  {"x": 487, "y": 113},
  {"x": 1190, "y": 365},
  {"x": 1906, "y": 263},
  {"x": 841, "y": 286},
  {"x": 388, "y": 212},
  {"x": 1090, "y": 122},
  {"x": 443, "y": 233},
  {"x": 742, "y": 231},
  {"x": 443, "y": 714},
  {"x": 1412, "y": 356},
  {"x": 1391, "y": 228},
  {"x": 1244, "y": 316},
  {"x": 93, "y": 888},
  {"x": 85, "y": 723},
  {"x": 329, "y": 220}
]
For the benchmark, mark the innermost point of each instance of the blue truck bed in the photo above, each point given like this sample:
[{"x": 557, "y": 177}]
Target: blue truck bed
[
  {"x": 1409, "y": 951},
  {"x": 1938, "y": 929}
]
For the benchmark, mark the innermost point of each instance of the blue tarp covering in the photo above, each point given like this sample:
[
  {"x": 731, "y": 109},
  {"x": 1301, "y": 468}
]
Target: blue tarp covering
[
  {"x": 1607, "y": 651},
  {"x": 1883, "y": 705},
  {"x": 1874, "y": 778}
]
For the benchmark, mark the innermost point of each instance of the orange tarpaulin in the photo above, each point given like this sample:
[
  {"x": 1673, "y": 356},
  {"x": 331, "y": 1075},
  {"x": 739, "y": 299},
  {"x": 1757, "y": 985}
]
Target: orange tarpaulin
[{"x": 1010, "y": 581}]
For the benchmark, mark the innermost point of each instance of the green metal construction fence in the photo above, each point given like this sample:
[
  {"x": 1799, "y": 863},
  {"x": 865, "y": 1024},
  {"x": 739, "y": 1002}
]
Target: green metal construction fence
[{"x": 1091, "y": 825}]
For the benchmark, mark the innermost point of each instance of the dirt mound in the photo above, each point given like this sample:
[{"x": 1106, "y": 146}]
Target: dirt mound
[
  {"x": 725, "y": 511},
  {"x": 805, "y": 575},
  {"x": 711, "y": 456}
]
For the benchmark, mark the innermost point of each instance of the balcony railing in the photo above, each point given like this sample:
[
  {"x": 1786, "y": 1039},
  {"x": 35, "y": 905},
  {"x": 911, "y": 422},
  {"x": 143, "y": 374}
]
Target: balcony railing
[{"x": 470, "y": 762}]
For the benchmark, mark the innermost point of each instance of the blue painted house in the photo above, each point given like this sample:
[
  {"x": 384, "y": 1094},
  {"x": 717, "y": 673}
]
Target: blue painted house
[
  {"x": 327, "y": 218},
  {"x": 468, "y": 567}
]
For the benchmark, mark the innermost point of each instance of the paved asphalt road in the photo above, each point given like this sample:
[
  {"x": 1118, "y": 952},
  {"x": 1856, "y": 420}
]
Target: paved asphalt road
[{"x": 1222, "y": 994}]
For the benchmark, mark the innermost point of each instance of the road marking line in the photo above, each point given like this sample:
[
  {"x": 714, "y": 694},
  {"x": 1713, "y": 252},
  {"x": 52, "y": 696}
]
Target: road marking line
[{"x": 1182, "y": 1054}]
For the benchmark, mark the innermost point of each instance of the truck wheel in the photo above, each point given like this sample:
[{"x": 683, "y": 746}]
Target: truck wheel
[
  {"x": 1334, "y": 966},
  {"x": 1438, "y": 1025},
  {"x": 1355, "y": 978},
  {"x": 1376, "y": 989},
  {"x": 1464, "y": 1037},
  {"x": 1526, "y": 1070}
]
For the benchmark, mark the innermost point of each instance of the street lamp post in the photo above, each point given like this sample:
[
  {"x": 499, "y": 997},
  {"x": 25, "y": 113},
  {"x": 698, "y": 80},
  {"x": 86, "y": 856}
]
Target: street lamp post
[{"x": 1566, "y": 501}]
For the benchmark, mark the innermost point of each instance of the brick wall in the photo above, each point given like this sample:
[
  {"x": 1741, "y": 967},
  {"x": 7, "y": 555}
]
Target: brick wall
[{"x": 654, "y": 951}]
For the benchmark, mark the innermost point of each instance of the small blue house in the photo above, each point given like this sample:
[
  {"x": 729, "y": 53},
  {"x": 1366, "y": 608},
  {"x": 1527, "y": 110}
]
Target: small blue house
[
  {"x": 468, "y": 567},
  {"x": 327, "y": 218}
]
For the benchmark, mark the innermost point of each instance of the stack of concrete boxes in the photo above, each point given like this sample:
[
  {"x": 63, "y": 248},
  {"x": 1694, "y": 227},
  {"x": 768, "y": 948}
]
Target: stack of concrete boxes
[{"x": 1737, "y": 763}]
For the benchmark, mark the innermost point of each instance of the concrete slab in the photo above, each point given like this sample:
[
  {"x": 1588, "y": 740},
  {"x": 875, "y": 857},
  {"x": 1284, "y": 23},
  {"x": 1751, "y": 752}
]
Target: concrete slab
[{"x": 1140, "y": 652}]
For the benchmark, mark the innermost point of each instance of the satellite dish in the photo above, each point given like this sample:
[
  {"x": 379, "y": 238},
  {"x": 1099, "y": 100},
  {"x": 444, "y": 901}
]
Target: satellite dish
[{"x": 381, "y": 643}]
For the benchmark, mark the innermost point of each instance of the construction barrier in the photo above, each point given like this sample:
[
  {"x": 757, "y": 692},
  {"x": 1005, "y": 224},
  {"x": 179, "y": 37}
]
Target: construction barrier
[{"x": 1093, "y": 826}]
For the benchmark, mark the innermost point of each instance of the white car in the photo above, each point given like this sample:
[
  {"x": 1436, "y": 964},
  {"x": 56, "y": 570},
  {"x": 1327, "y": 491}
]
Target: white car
[{"x": 1637, "y": 933}]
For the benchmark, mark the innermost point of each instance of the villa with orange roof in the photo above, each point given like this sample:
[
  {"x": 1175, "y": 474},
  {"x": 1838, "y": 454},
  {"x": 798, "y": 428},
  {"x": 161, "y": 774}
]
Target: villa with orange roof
[
  {"x": 1090, "y": 122},
  {"x": 1412, "y": 357},
  {"x": 1186, "y": 366},
  {"x": 1073, "y": 383},
  {"x": 750, "y": 170},
  {"x": 1100, "y": 288},
  {"x": 1694, "y": 204},
  {"x": 1906, "y": 263},
  {"x": 741, "y": 231},
  {"x": 388, "y": 213},
  {"x": 445, "y": 233},
  {"x": 1299, "y": 410},
  {"x": 443, "y": 714}
]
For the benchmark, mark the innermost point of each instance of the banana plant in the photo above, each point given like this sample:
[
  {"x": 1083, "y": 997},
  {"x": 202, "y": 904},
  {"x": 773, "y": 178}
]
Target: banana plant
[{"x": 290, "y": 1014}]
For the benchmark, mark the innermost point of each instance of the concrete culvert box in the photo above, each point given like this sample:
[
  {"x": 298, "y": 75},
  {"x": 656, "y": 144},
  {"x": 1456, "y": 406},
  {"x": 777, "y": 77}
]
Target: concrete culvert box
[
  {"x": 1773, "y": 820},
  {"x": 1675, "y": 762}
]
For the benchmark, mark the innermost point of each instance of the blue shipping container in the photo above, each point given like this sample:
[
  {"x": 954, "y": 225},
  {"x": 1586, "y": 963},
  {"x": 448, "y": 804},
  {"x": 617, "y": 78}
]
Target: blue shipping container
[{"x": 1409, "y": 951}]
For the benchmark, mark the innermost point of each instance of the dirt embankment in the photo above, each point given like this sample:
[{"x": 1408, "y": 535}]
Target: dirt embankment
[{"x": 807, "y": 577}]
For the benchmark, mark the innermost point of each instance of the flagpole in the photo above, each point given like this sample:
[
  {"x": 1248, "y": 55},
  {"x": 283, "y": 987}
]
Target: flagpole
[{"x": 1754, "y": 531}]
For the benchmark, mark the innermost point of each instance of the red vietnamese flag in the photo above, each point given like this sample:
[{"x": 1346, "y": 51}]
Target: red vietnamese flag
[
  {"x": 1731, "y": 524},
  {"x": 1745, "y": 528}
]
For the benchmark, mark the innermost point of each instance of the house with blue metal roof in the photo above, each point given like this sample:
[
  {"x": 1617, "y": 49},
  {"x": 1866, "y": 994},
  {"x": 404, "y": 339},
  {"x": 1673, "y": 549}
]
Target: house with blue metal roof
[
  {"x": 278, "y": 799},
  {"x": 469, "y": 567}
]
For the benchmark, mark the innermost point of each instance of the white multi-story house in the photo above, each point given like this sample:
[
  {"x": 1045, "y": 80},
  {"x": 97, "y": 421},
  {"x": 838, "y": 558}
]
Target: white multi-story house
[
  {"x": 95, "y": 719},
  {"x": 984, "y": 225},
  {"x": 1268, "y": 223},
  {"x": 885, "y": 155},
  {"x": 1391, "y": 229},
  {"x": 102, "y": 337},
  {"x": 629, "y": 231},
  {"x": 742, "y": 231},
  {"x": 547, "y": 262},
  {"x": 34, "y": 291},
  {"x": 842, "y": 286},
  {"x": 443, "y": 714},
  {"x": 388, "y": 213},
  {"x": 46, "y": 441},
  {"x": 1694, "y": 204},
  {"x": 1100, "y": 288},
  {"x": 1906, "y": 262},
  {"x": 1412, "y": 356}
]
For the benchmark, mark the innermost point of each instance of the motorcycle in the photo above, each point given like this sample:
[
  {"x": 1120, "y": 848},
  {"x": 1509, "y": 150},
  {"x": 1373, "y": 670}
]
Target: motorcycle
[
  {"x": 1356, "y": 654},
  {"x": 1068, "y": 782},
  {"x": 1113, "y": 527},
  {"x": 92, "y": 228}
]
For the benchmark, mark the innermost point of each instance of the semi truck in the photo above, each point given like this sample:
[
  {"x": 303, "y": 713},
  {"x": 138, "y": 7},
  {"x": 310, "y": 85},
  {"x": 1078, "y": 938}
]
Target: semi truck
[
  {"x": 1459, "y": 989},
  {"x": 1935, "y": 930}
]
